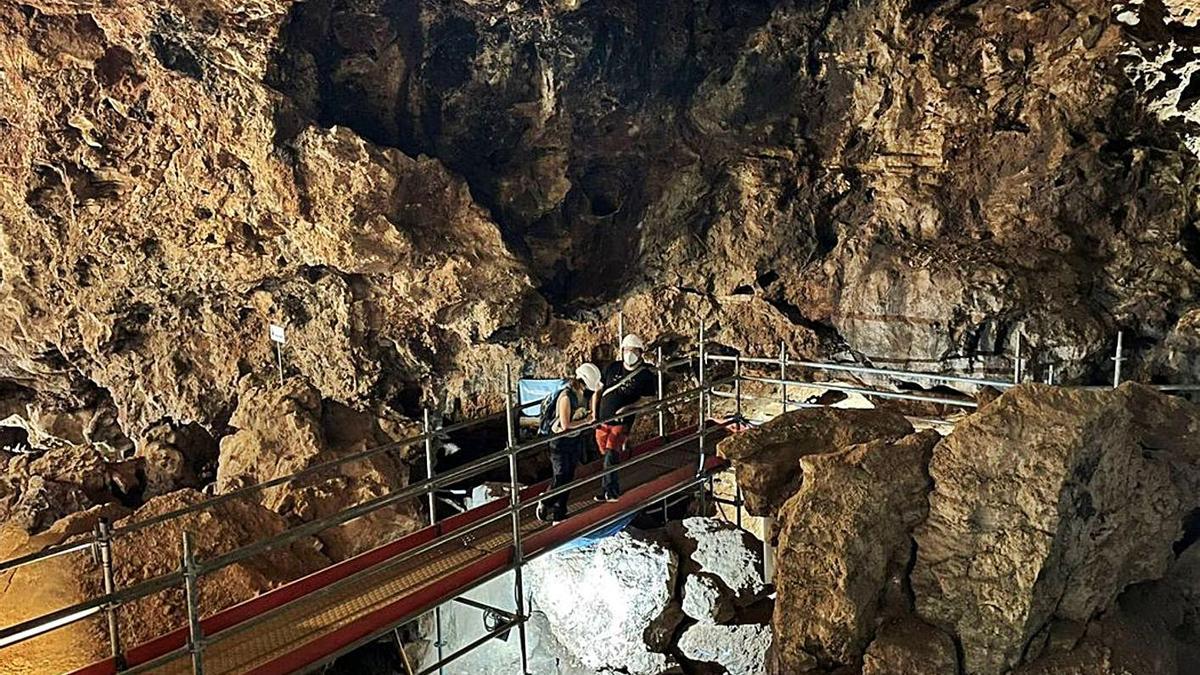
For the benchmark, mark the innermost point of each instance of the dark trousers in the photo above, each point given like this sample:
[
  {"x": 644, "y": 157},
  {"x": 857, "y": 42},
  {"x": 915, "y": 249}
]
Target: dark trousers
[
  {"x": 564, "y": 457},
  {"x": 610, "y": 486}
]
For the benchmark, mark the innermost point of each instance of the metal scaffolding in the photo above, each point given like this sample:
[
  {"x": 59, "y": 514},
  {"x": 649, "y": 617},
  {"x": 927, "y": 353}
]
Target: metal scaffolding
[{"x": 193, "y": 570}]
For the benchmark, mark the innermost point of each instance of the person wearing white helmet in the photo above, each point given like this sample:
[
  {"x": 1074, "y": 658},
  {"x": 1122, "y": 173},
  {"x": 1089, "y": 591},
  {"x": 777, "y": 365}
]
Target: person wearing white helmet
[
  {"x": 625, "y": 383},
  {"x": 568, "y": 411}
]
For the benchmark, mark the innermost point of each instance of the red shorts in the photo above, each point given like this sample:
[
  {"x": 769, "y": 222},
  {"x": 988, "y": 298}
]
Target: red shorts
[{"x": 611, "y": 436}]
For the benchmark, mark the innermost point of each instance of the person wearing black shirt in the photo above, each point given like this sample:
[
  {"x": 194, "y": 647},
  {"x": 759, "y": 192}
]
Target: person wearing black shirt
[{"x": 624, "y": 384}]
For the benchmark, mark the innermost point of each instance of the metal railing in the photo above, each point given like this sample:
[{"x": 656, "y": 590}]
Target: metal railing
[{"x": 192, "y": 570}]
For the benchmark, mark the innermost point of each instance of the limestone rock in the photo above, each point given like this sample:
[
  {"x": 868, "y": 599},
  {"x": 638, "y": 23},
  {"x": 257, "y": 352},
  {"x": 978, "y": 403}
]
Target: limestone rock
[
  {"x": 909, "y": 646},
  {"x": 767, "y": 458},
  {"x": 740, "y": 650},
  {"x": 841, "y": 538},
  {"x": 33, "y": 590},
  {"x": 282, "y": 431},
  {"x": 36, "y": 489},
  {"x": 1047, "y": 504},
  {"x": 722, "y": 567},
  {"x": 601, "y": 600},
  {"x": 1117, "y": 644},
  {"x": 175, "y": 457}
]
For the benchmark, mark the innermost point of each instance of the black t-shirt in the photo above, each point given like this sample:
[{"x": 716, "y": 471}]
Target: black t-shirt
[{"x": 623, "y": 387}]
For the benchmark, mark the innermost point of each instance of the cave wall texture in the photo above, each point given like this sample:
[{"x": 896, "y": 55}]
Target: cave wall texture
[{"x": 425, "y": 191}]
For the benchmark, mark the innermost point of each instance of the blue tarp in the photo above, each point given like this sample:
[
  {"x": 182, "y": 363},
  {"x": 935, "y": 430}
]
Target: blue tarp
[
  {"x": 531, "y": 393},
  {"x": 596, "y": 536}
]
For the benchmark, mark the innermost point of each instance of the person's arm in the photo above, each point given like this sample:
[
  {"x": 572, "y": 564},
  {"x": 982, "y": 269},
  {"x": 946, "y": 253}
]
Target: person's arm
[{"x": 596, "y": 404}]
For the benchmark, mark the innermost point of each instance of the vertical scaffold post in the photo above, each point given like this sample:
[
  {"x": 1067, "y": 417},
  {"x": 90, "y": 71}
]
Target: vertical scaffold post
[
  {"x": 437, "y": 611},
  {"x": 737, "y": 385},
  {"x": 191, "y": 592},
  {"x": 662, "y": 412},
  {"x": 783, "y": 374},
  {"x": 1017, "y": 361},
  {"x": 620, "y": 331},
  {"x": 104, "y": 544},
  {"x": 700, "y": 423},
  {"x": 1118, "y": 357},
  {"x": 514, "y": 498}
]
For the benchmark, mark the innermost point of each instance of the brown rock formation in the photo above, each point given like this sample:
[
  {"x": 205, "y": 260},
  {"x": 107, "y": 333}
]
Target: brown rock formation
[
  {"x": 30, "y": 591},
  {"x": 1047, "y": 504},
  {"x": 38, "y": 489},
  {"x": 841, "y": 537},
  {"x": 281, "y": 431},
  {"x": 768, "y": 459},
  {"x": 910, "y": 646}
]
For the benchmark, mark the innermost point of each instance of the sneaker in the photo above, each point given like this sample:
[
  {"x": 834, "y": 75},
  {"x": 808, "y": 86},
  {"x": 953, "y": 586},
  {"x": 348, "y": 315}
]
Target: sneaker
[
  {"x": 600, "y": 499},
  {"x": 613, "y": 498}
]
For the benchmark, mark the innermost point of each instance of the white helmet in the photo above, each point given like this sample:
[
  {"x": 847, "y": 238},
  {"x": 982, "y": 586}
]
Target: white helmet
[
  {"x": 590, "y": 375},
  {"x": 632, "y": 341}
]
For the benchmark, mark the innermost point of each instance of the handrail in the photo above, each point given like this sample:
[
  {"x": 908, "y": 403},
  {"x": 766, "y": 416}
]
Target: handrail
[
  {"x": 217, "y": 500},
  {"x": 867, "y": 370},
  {"x": 962, "y": 403},
  {"x": 140, "y": 590}
]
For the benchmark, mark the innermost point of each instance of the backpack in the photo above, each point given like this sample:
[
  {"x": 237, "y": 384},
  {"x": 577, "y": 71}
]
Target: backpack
[{"x": 548, "y": 411}]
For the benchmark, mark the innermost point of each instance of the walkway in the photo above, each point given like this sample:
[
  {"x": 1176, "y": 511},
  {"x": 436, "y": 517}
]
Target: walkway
[{"x": 310, "y": 621}]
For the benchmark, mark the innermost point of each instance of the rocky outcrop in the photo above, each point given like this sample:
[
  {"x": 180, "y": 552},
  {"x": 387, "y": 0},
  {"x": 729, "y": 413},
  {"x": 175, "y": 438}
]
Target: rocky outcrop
[
  {"x": 36, "y": 489},
  {"x": 721, "y": 566},
  {"x": 767, "y": 459},
  {"x": 841, "y": 538},
  {"x": 1046, "y": 505},
  {"x": 739, "y": 650},
  {"x": 601, "y": 600},
  {"x": 282, "y": 431},
  {"x": 909, "y": 646},
  {"x": 31, "y": 591}
]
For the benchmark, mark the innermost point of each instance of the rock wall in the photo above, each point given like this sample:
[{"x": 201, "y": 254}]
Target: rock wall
[
  {"x": 423, "y": 192},
  {"x": 1053, "y": 531},
  {"x": 1056, "y": 500}
]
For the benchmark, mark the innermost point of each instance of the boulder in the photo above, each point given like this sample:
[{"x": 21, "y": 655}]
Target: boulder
[
  {"x": 36, "y": 489},
  {"x": 909, "y": 646},
  {"x": 767, "y": 458},
  {"x": 842, "y": 538},
  {"x": 602, "y": 600},
  {"x": 1046, "y": 505},
  {"x": 1116, "y": 644},
  {"x": 36, "y": 589},
  {"x": 282, "y": 431},
  {"x": 740, "y": 650},
  {"x": 722, "y": 567},
  {"x": 176, "y": 456}
]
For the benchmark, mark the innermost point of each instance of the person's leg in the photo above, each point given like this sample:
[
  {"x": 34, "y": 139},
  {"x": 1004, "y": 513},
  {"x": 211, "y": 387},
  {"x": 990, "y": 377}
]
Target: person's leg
[
  {"x": 612, "y": 457},
  {"x": 564, "y": 473},
  {"x": 550, "y": 505},
  {"x": 603, "y": 440}
]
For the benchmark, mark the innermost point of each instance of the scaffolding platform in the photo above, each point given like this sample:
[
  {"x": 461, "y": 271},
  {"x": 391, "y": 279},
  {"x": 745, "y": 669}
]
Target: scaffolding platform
[{"x": 308, "y": 622}]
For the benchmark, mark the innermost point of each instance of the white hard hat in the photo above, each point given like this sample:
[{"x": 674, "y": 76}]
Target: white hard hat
[
  {"x": 632, "y": 341},
  {"x": 590, "y": 375}
]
